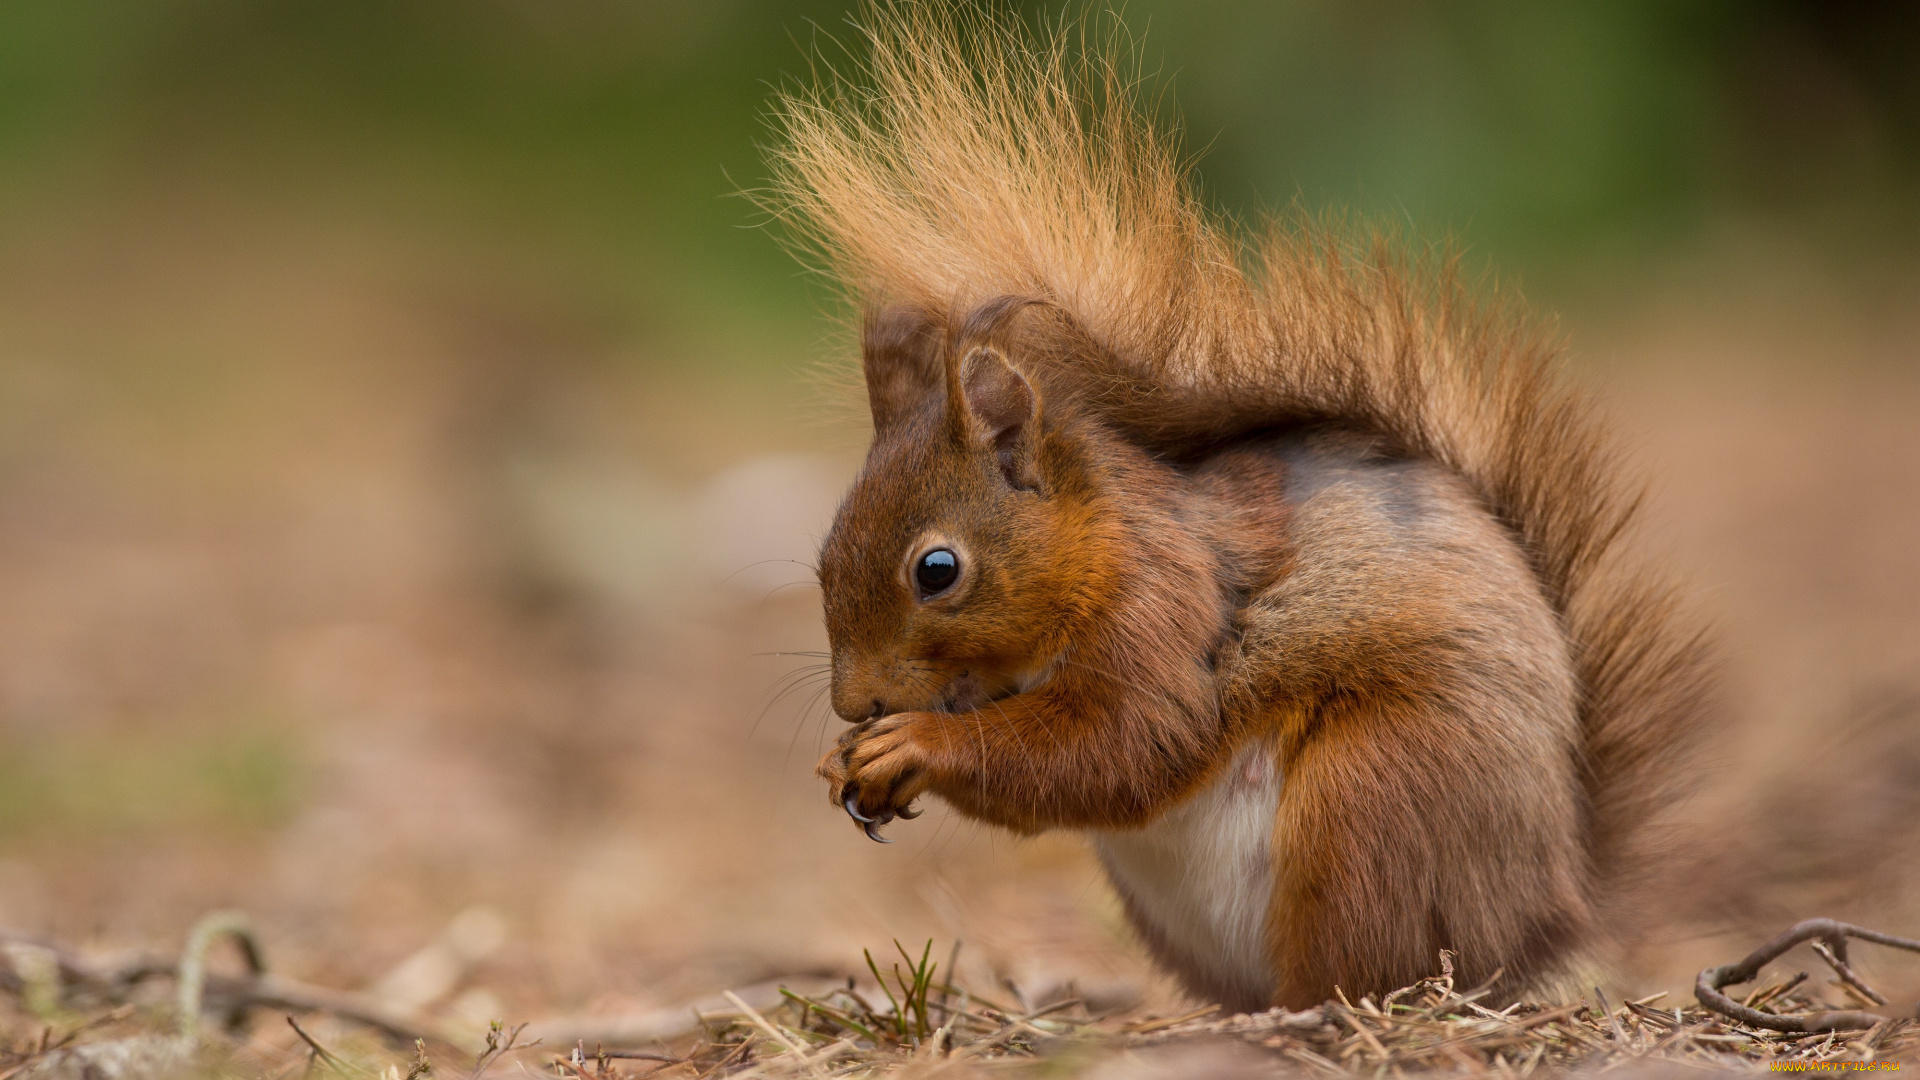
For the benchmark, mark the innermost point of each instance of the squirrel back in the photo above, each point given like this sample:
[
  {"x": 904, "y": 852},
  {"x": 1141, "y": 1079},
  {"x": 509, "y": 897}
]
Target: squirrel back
[{"x": 978, "y": 163}]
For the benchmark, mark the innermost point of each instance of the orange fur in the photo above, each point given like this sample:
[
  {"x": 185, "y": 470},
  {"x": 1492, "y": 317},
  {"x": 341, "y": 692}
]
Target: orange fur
[{"x": 1208, "y": 491}]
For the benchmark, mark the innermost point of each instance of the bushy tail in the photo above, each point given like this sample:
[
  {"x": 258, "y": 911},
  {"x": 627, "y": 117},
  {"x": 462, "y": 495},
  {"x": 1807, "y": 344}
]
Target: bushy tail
[{"x": 969, "y": 157}]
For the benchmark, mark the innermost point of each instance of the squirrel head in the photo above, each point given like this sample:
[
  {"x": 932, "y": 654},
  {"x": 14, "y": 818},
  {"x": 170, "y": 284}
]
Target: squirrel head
[{"x": 967, "y": 551}]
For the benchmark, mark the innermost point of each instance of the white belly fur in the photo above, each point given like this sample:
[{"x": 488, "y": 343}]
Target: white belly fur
[{"x": 1201, "y": 877}]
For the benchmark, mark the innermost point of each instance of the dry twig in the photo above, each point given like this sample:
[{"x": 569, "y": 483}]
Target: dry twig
[{"x": 1831, "y": 938}]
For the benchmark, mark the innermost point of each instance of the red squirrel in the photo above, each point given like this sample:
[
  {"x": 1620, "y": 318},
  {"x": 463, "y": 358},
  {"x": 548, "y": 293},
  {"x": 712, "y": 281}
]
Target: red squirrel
[{"x": 1284, "y": 572}]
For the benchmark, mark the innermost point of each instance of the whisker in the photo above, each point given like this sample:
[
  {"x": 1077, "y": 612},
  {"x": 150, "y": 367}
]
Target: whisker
[
  {"x": 771, "y": 593},
  {"x": 786, "y": 685},
  {"x": 760, "y": 608},
  {"x": 763, "y": 562},
  {"x": 809, "y": 669},
  {"x": 791, "y": 679},
  {"x": 794, "y": 741}
]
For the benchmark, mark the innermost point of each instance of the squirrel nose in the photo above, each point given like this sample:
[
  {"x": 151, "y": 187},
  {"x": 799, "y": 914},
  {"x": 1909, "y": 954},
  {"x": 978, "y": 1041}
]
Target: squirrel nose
[{"x": 858, "y": 704}]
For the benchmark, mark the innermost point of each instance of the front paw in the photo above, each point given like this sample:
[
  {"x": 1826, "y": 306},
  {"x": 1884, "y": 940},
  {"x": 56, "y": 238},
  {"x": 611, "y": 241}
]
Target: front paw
[{"x": 876, "y": 771}]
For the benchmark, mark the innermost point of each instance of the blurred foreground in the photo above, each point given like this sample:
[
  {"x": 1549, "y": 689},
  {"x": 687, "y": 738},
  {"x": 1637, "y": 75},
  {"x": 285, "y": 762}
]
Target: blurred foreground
[{"x": 913, "y": 1020}]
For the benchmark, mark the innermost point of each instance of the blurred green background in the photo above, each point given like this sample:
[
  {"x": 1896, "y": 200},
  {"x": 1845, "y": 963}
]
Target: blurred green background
[
  {"x": 594, "y": 146},
  {"x": 407, "y": 462}
]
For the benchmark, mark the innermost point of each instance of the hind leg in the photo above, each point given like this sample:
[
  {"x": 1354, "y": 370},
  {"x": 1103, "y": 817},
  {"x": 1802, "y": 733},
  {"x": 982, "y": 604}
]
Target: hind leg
[
  {"x": 1424, "y": 702},
  {"x": 1400, "y": 833}
]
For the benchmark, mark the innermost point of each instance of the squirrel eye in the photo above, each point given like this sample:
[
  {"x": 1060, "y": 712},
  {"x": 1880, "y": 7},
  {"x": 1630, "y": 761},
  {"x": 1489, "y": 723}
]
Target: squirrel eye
[{"x": 936, "y": 570}]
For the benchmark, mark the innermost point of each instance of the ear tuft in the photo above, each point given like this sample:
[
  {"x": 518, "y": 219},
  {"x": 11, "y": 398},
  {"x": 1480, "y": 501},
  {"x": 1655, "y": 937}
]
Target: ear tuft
[
  {"x": 899, "y": 356},
  {"x": 1004, "y": 411}
]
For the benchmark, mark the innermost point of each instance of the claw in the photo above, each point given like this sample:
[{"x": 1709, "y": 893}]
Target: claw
[
  {"x": 908, "y": 813},
  {"x": 852, "y": 803},
  {"x": 872, "y": 834}
]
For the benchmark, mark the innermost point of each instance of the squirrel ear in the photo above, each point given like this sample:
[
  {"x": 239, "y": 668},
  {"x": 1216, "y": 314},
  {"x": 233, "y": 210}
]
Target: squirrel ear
[
  {"x": 1003, "y": 411},
  {"x": 898, "y": 354}
]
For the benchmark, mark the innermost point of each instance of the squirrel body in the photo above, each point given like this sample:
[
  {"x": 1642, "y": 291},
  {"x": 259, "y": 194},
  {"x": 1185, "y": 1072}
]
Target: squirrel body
[
  {"x": 1297, "y": 588},
  {"x": 1459, "y": 732}
]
